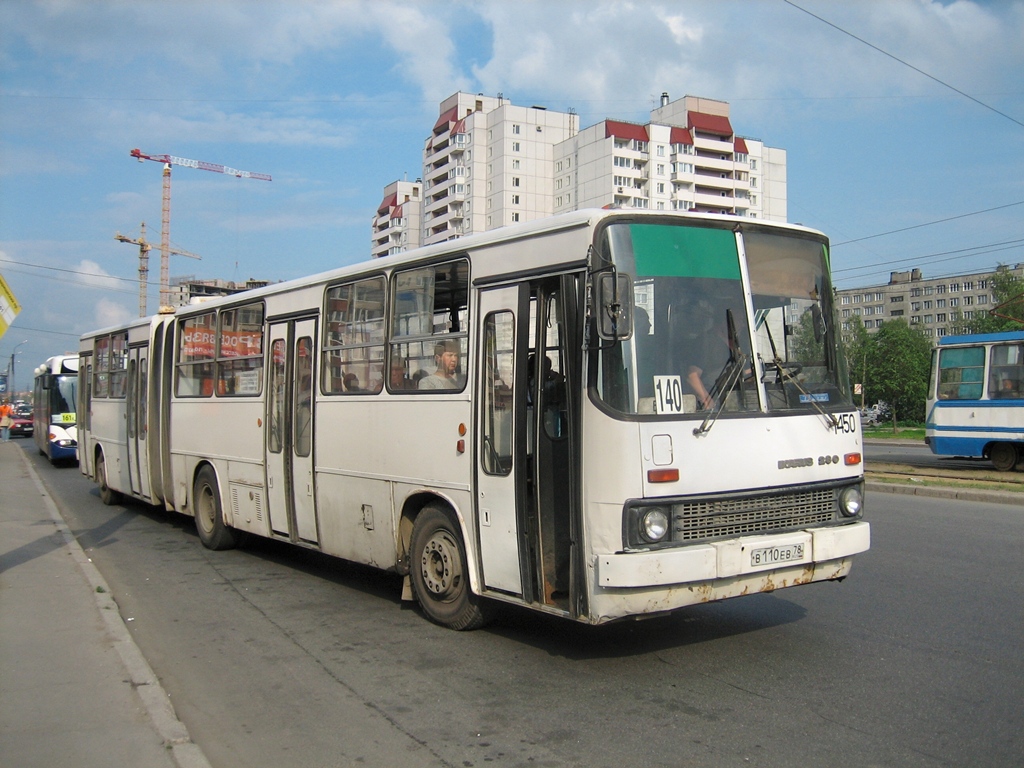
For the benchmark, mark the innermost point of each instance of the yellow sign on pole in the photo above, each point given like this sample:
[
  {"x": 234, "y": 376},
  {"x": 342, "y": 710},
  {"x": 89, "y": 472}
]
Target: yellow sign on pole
[{"x": 9, "y": 307}]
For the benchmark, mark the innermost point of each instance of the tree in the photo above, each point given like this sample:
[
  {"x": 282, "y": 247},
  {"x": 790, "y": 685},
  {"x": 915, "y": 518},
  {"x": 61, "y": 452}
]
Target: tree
[
  {"x": 1008, "y": 290},
  {"x": 898, "y": 364},
  {"x": 857, "y": 348}
]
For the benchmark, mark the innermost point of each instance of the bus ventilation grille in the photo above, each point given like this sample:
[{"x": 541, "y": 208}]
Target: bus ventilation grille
[{"x": 717, "y": 518}]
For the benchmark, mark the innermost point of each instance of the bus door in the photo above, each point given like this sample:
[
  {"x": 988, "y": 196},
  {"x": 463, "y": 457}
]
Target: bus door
[
  {"x": 552, "y": 423},
  {"x": 136, "y": 415},
  {"x": 528, "y": 422},
  {"x": 289, "y": 430},
  {"x": 498, "y": 513}
]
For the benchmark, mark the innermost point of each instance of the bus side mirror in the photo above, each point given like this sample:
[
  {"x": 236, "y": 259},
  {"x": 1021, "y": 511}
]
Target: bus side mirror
[
  {"x": 614, "y": 306},
  {"x": 47, "y": 381}
]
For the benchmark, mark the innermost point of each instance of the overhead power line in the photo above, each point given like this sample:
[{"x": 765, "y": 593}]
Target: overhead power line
[
  {"x": 905, "y": 63},
  {"x": 976, "y": 250},
  {"x": 928, "y": 224}
]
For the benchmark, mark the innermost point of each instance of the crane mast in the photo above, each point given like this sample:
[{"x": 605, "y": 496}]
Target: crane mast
[
  {"x": 144, "y": 248},
  {"x": 165, "y": 232}
]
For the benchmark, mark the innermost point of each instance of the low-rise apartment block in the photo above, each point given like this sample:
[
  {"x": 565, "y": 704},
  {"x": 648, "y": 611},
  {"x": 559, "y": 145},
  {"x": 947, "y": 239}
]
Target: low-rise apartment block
[{"x": 934, "y": 305}]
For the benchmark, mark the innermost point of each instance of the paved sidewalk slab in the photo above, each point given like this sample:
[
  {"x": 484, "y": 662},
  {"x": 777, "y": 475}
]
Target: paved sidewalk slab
[{"x": 74, "y": 688}]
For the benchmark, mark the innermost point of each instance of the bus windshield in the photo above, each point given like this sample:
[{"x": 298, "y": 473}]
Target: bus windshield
[
  {"x": 693, "y": 349},
  {"x": 63, "y": 396}
]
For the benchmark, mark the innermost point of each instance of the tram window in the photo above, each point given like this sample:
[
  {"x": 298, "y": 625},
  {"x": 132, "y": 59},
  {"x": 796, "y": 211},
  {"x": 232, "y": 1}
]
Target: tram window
[
  {"x": 1006, "y": 376},
  {"x": 961, "y": 373}
]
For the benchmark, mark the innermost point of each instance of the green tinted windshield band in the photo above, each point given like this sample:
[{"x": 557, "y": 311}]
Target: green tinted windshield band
[{"x": 662, "y": 251}]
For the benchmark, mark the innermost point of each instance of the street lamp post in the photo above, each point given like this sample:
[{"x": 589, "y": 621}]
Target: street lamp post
[{"x": 12, "y": 389}]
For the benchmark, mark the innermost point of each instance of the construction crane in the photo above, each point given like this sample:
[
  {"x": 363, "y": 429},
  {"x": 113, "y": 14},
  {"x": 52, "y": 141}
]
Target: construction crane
[
  {"x": 144, "y": 248},
  {"x": 165, "y": 233}
]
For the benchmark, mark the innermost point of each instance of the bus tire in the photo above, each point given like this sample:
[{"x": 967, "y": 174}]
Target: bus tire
[
  {"x": 209, "y": 515},
  {"x": 440, "y": 578},
  {"x": 1003, "y": 456},
  {"x": 108, "y": 495}
]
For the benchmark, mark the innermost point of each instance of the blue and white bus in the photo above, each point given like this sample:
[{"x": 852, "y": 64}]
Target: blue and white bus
[
  {"x": 54, "y": 415},
  {"x": 976, "y": 398}
]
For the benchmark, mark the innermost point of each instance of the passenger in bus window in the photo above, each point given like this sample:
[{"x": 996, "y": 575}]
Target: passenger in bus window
[
  {"x": 351, "y": 382},
  {"x": 446, "y": 358},
  {"x": 397, "y": 379}
]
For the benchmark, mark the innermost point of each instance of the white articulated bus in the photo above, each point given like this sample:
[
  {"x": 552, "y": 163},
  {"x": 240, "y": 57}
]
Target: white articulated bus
[{"x": 599, "y": 415}]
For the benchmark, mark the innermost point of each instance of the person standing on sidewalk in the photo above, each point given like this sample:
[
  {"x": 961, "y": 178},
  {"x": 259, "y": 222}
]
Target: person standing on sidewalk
[{"x": 6, "y": 419}]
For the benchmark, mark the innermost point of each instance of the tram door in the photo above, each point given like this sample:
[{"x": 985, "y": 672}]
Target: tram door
[
  {"x": 137, "y": 416},
  {"x": 289, "y": 429}
]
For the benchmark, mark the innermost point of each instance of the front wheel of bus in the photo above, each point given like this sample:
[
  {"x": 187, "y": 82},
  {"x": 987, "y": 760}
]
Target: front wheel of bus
[
  {"x": 208, "y": 513},
  {"x": 439, "y": 573},
  {"x": 107, "y": 494},
  {"x": 1004, "y": 456}
]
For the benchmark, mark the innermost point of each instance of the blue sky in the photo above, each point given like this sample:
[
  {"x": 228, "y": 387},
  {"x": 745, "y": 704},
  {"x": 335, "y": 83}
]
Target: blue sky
[{"x": 334, "y": 100}]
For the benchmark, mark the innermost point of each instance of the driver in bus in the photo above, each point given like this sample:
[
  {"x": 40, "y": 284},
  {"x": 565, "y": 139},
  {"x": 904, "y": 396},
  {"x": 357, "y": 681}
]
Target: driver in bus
[{"x": 446, "y": 358}]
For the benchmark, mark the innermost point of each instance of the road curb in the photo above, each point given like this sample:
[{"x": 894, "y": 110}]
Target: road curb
[
  {"x": 183, "y": 751},
  {"x": 961, "y": 494}
]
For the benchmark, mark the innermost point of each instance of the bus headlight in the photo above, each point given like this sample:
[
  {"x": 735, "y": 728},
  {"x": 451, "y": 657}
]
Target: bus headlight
[
  {"x": 653, "y": 524},
  {"x": 851, "y": 501}
]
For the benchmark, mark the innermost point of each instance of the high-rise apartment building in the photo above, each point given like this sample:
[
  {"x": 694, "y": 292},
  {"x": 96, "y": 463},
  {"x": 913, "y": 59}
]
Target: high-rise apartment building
[
  {"x": 398, "y": 224},
  {"x": 688, "y": 158},
  {"x": 488, "y": 163},
  {"x": 934, "y": 305}
]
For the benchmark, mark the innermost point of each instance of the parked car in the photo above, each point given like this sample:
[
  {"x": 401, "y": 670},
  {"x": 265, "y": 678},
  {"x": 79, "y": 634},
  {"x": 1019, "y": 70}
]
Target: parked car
[
  {"x": 21, "y": 427},
  {"x": 869, "y": 416}
]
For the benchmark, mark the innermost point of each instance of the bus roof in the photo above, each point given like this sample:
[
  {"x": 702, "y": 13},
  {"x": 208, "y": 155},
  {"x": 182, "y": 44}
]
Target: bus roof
[
  {"x": 548, "y": 225},
  {"x": 982, "y": 338},
  {"x": 60, "y": 364}
]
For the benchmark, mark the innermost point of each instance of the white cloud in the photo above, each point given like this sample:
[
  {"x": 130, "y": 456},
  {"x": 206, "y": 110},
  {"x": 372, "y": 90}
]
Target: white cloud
[
  {"x": 92, "y": 275},
  {"x": 607, "y": 53},
  {"x": 109, "y": 313}
]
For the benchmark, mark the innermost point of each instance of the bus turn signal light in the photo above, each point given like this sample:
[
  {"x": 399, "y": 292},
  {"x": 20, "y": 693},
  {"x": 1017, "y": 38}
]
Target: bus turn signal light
[
  {"x": 662, "y": 475},
  {"x": 852, "y": 459}
]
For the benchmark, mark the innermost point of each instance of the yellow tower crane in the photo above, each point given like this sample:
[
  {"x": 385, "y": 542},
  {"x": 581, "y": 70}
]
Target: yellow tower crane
[
  {"x": 144, "y": 248},
  {"x": 165, "y": 234}
]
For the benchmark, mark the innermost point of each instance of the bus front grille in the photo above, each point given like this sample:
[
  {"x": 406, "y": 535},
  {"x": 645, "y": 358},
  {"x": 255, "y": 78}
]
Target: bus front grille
[{"x": 727, "y": 517}]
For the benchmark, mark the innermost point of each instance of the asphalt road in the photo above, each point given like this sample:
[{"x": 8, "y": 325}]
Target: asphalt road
[
  {"x": 920, "y": 455},
  {"x": 277, "y": 657}
]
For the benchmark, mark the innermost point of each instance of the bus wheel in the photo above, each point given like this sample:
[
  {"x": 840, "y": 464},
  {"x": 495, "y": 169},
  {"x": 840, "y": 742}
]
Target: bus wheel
[
  {"x": 1003, "y": 456},
  {"x": 107, "y": 494},
  {"x": 209, "y": 517},
  {"x": 439, "y": 574}
]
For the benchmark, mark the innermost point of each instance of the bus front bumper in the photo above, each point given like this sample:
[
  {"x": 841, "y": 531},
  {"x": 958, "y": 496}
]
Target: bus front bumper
[{"x": 801, "y": 550}]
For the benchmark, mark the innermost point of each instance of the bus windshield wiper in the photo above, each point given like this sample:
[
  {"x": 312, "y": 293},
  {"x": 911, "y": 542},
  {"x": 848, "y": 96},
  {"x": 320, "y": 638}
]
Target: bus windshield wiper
[
  {"x": 727, "y": 379},
  {"x": 785, "y": 375}
]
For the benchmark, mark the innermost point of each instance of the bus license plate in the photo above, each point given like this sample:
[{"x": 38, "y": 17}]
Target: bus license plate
[{"x": 786, "y": 553}]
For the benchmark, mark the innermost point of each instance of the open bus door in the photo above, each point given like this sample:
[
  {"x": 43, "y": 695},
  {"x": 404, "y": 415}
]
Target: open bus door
[{"x": 528, "y": 501}]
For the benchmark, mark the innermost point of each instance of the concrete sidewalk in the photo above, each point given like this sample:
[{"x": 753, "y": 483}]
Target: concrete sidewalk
[{"x": 74, "y": 688}]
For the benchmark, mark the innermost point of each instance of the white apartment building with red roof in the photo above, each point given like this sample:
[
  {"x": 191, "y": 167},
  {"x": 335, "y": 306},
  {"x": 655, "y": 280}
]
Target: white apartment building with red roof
[{"x": 488, "y": 163}]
